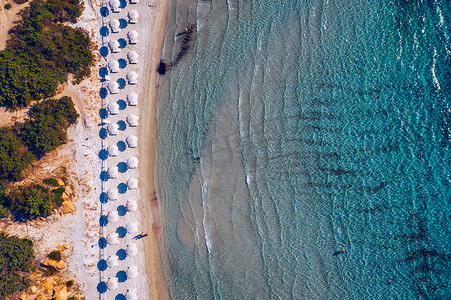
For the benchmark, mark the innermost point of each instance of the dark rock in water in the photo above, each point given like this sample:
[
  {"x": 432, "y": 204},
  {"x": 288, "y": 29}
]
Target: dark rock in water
[{"x": 161, "y": 68}]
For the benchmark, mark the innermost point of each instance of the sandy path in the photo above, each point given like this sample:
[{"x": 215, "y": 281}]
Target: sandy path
[
  {"x": 151, "y": 207},
  {"x": 7, "y": 17}
]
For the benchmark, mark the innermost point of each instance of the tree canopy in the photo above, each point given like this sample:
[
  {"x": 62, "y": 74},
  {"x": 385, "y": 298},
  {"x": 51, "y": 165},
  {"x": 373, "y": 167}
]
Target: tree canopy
[
  {"x": 16, "y": 260},
  {"x": 32, "y": 201},
  {"x": 14, "y": 156},
  {"x": 41, "y": 52},
  {"x": 42, "y": 132},
  {"x": 46, "y": 128}
]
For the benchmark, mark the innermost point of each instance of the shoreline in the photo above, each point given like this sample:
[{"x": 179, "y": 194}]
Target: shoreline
[{"x": 152, "y": 219}]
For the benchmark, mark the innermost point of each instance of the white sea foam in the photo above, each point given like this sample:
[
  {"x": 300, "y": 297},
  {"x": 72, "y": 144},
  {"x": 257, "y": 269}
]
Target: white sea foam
[
  {"x": 204, "y": 198},
  {"x": 204, "y": 223},
  {"x": 441, "y": 23},
  {"x": 434, "y": 76},
  {"x": 248, "y": 179},
  {"x": 259, "y": 41},
  {"x": 230, "y": 5},
  {"x": 240, "y": 117}
]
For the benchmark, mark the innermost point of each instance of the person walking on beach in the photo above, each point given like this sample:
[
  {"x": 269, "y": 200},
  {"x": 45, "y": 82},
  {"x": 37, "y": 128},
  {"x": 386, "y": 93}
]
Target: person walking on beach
[{"x": 140, "y": 236}]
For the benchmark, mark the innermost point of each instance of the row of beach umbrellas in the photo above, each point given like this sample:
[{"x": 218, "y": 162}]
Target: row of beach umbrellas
[{"x": 131, "y": 141}]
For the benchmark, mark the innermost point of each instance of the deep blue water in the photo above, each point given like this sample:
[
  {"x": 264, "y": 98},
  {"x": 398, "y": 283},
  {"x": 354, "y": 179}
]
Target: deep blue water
[{"x": 293, "y": 130}]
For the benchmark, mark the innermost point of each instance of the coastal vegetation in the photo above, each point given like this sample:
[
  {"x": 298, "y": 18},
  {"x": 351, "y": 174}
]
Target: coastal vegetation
[
  {"x": 55, "y": 255},
  {"x": 14, "y": 156},
  {"x": 41, "y": 52},
  {"x": 51, "y": 181},
  {"x": 42, "y": 132},
  {"x": 16, "y": 261},
  {"x": 32, "y": 201},
  {"x": 45, "y": 130}
]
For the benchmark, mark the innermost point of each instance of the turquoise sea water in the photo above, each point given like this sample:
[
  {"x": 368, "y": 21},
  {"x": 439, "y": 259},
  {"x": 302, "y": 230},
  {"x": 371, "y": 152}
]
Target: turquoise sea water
[{"x": 294, "y": 129}]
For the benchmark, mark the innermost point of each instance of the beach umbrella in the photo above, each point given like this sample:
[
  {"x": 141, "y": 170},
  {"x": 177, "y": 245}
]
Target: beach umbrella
[
  {"x": 113, "y": 128},
  {"x": 132, "y": 120},
  {"x": 132, "y": 36},
  {"x": 112, "y": 238},
  {"x": 112, "y": 194},
  {"x": 132, "y": 77},
  {"x": 115, "y": 5},
  {"x": 131, "y": 250},
  {"x": 132, "y": 272},
  {"x": 113, "y": 216},
  {"x": 114, "y": 25},
  {"x": 132, "y": 162},
  {"x": 112, "y": 172},
  {"x": 114, "y": 46},
  {"x": 132, "y": 227},
  {"x": 113, "y": 65},
  {"x": 132, "y": 99},
  {"x": 132, "y": 141},
  {"x": 112, "y": 150},
  {"x": 131, "y": 205},
  {"x": 112, "y": 283},
  {"x": 113, "y": 108},
  {"x": 112, "y": 261},
  {"x": 134, "y": 1},
  {"x": 133, "y": 16},
  {"x": 133, "y": 57},
  {"x": 131, "y": 295},
  {"x": 113, "y": 87},
  {"x": 132, "y": 183}
]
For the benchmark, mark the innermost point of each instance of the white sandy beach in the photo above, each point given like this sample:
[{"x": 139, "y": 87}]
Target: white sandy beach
[
  {"x": 82, "y": 157},
  {"x": 149, "y": 27}
]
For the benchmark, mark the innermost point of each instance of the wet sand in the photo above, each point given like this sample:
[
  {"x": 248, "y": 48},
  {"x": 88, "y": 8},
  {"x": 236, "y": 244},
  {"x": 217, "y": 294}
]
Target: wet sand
[{"x": 151, "y": 208}]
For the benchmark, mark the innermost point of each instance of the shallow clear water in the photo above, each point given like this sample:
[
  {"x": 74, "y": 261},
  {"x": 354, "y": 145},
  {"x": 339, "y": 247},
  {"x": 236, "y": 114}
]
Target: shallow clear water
[{"x": 294, "y": 129}]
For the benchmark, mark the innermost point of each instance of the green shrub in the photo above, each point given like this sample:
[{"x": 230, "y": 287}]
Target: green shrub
[
  {"x": 16, "y": 260},
  {"x": 14, "y": 157},
  {"x": 46, "y": 130},
  {"x": 24, "y": 79},
  {"x": 59, "y": 191},
  {"x": 4, "y": 212},
  {"x": 32, "y": 201},
  {"x": 55, "y": 255},
  {"x": 7, "y": 6},
  {"x": 51, "y": 181},
  {"x": 69, "y": 283},
  {"x": 41, "y": 52},
  {"x": 71, "y": 298},
  {"x": 50, "y": 271}
]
